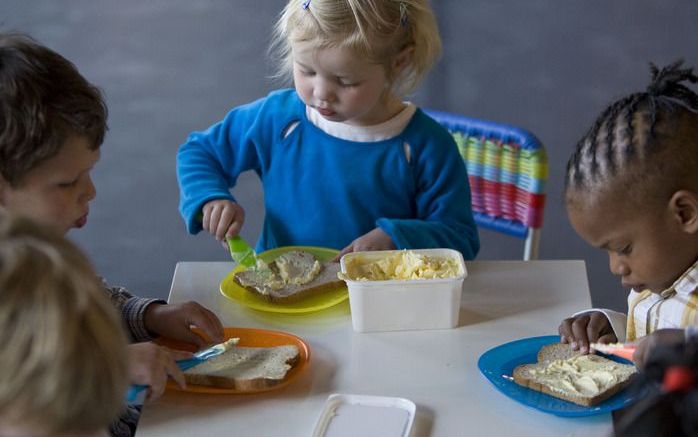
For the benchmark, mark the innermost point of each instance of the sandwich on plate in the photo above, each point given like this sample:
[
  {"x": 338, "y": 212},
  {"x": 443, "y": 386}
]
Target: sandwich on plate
[
  {"x": 566, "y": 374},
  {"x": 293, "y": 276},
  {"x": 245, "y": 368}
]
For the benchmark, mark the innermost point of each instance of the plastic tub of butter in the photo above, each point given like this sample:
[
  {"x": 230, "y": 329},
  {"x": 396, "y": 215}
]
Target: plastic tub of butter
[{"x": 381, "y": 303}]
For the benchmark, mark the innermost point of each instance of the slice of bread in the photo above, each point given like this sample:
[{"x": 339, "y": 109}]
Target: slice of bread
[
  {"x": 245, "y": 368},
  {"x": 289, "y": 266},
  {"x": 565, "y": 374}
]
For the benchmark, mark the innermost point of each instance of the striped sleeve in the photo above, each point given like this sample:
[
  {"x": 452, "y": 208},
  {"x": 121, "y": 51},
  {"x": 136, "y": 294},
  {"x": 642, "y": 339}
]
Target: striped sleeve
[{"x": 132, "y": 310}]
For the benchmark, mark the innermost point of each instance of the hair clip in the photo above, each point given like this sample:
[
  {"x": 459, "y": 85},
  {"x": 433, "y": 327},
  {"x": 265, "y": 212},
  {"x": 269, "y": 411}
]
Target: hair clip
[
  {"x": 306, "y": 4},
  {"x": 403, "y": 14}
]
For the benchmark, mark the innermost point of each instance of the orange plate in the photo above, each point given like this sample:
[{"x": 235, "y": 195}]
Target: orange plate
[{"x": 249, "y": 337}]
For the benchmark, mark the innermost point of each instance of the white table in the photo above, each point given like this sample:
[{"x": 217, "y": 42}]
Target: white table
[{"x": 437, "y": 370}]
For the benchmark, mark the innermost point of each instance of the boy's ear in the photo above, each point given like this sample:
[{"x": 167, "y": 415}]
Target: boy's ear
[
  {"x": 403, "y": 58},
  {"x": 684, "y": 208}
]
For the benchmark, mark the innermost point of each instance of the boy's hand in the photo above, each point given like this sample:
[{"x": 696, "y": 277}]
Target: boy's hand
[
  {"x": 377, "y": 239},
  {"x": 586, "y": 328},
  {"x": 664, "y": 337},
  {"x": 175, "y": 320},
  {"x": 150, "y": 364},
  {"x": 222, "y": 219}
]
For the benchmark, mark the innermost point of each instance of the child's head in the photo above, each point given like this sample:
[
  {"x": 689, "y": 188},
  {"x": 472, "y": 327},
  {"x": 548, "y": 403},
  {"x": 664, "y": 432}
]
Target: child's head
[
  {"x": 52, "y": 123},
  {"x": 63, "y": 354},
  {"x": 378, "y": 48},
  {"x": 631, "y": 186}
]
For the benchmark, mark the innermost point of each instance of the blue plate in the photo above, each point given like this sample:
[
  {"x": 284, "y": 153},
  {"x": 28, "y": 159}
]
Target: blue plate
[{"x": 499, "y": 362}]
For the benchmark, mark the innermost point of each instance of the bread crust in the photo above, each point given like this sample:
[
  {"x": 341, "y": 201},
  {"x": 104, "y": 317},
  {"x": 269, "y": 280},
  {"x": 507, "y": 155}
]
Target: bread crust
[{"x": 559, "y": 351}]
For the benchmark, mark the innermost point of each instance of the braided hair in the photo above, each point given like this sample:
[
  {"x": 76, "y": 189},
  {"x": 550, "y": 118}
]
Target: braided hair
[{"x": 645, "y": 140}]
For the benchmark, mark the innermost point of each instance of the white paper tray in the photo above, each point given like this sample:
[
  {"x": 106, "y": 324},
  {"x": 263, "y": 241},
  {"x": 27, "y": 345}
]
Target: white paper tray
[{"x": 346, "y": 415}]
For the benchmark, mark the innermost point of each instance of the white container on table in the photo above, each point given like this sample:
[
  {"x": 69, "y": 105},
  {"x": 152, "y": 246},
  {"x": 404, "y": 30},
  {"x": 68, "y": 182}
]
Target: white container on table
[{"x": 398, "y": 305}]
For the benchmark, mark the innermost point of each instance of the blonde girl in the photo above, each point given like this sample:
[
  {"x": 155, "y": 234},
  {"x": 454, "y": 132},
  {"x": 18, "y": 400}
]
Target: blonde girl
[{"x": 345, "y": 161}]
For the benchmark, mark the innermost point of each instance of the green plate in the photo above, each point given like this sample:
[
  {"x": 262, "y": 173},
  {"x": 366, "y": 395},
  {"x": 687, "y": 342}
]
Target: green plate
[{"x": 230, "y": 289}]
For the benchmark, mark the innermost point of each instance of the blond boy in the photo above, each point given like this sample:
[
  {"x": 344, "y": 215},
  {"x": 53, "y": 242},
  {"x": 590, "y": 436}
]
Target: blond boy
[{"x": 63, "y": 354}]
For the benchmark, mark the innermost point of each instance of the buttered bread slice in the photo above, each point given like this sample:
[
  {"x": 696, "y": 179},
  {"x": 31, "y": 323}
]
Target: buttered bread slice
[
  {"x": 293, "y": 276},
  {"x": 245, "y": 368},
  {"x": 583, "y": 379}
]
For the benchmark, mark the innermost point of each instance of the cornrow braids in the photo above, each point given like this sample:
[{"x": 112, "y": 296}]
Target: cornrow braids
[{"x": 635, "y": 129}]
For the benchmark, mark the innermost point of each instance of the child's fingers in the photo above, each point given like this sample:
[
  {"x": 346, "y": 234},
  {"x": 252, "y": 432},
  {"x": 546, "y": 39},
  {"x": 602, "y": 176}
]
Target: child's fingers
[
  {"x": 177, "y": 354},
  {"x": 175, "y": 373},
  {"x": 579, "y": 332},
  {"x": 565, "y": 331},
  {"x": 208, "y": 323},
  {"x": 206, "y": 218},
  {"x": 222, "y": 223},
  {"x": 607, "y": 338},
  {"x": 346, "y": 250},
  {"x": 234, "y": 229},
  {"x": 234, "y": 217},
  {"x": 598, "y": 325}
]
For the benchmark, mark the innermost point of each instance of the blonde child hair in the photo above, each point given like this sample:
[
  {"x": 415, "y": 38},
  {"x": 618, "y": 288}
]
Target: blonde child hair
[
  {"x": 377, "y": 30},
  {"x": 63, "y": 355}
]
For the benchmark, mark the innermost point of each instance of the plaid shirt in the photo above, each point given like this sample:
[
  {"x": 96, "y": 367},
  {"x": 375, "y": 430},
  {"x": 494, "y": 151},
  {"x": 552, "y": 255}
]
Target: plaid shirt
[
  {"x": 675, "y": 307},
  {"x": 132, "y": 311}
]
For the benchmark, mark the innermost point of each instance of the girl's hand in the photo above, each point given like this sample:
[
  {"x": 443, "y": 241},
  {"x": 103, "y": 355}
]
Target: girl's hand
[
  {"x": 377, "y": 239},
  {"x": 223, "y": 219},
  {"x": 151, "y": 365},
  {"x": 175, "y": 320},
  {"x": 586, "y": 328},
  {"x": 664, "y": 337}
]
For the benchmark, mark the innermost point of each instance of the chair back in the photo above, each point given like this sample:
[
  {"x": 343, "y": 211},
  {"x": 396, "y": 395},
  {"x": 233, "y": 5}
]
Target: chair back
[{"x": 507, "y": 170}]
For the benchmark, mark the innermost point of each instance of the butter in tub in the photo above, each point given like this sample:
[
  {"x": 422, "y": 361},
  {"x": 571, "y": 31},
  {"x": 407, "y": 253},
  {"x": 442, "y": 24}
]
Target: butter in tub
[{"x": 401, "y": 265}]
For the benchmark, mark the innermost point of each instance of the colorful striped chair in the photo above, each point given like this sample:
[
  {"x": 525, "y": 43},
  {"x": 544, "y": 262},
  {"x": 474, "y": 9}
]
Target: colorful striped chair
[{"x": 507, "y": 168}]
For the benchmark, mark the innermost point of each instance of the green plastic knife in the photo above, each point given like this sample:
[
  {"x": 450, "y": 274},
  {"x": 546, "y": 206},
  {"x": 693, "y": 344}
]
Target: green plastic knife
[{"x": 241, "y": 252}]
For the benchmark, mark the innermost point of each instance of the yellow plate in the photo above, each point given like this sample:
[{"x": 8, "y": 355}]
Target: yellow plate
[{"x": 230, "y": 289}]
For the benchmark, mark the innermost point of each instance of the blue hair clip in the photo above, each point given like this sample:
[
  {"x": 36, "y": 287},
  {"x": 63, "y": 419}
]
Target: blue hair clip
[
  {"x": 306, "y": 4},
  {"x": 403, "y": 14}
]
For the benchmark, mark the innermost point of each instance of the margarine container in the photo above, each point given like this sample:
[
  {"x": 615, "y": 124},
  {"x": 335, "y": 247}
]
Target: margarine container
[{"x": 398, "y": 304}]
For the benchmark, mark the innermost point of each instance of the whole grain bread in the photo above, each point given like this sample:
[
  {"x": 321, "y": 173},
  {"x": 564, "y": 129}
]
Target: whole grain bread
[
  {"x": 326, "y": 279},
  {"x": 526, "y": 375},
  {"x": 245, "y": 368}
]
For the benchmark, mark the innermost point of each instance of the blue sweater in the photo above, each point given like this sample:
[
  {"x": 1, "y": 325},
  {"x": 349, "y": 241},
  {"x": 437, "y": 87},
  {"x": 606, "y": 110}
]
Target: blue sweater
[{"x": 324, "y": 191}]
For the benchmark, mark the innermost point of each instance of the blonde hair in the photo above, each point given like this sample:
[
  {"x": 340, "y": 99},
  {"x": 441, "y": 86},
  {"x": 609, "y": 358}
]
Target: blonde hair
[
  {"x": 63, "y": 353},
  {"x": 377, "y": 30}
]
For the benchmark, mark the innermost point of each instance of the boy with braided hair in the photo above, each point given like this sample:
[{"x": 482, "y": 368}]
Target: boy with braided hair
[{"x": 632, "y": 190}]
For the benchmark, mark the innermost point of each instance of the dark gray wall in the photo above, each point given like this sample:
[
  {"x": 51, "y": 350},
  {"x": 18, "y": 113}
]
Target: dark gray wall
[{"x": 168, "y": 67}]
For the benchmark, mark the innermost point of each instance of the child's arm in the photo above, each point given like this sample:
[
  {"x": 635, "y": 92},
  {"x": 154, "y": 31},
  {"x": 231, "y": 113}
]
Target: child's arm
[
  {"x": 442, "y": 204},
  {"x": 132, "y": 310},
  {"x": 209, "y": 163},
  {"x": 145, "y": 317}
]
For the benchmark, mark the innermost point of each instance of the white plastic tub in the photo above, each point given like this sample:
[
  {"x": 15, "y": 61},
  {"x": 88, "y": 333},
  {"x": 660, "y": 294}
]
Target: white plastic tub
[{"x": 397, "y": 305}]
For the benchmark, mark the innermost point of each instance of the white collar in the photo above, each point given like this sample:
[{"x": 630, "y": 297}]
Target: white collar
[{"x": 363, "y": 134}]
